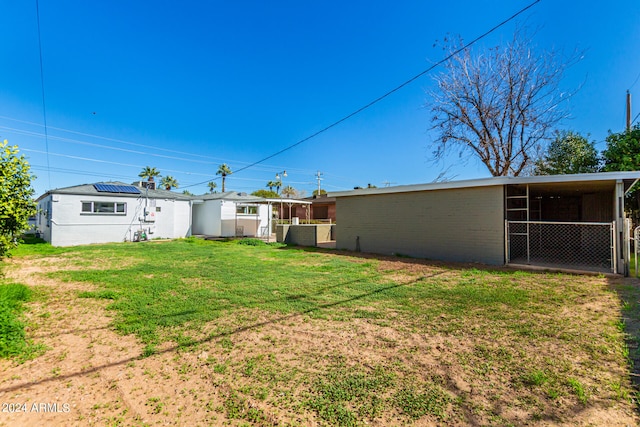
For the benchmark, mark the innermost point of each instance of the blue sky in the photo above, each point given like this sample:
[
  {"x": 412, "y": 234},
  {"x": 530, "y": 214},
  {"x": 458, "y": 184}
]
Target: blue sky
[{"x": 185, "y": 86}]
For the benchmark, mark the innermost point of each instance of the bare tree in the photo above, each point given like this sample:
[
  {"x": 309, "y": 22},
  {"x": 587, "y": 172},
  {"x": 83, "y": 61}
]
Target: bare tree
[{"x": 499, "y": 105}]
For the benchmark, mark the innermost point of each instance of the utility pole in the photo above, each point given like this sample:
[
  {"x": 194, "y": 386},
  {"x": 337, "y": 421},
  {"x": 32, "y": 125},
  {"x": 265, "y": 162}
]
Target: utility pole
[
  {"x": 318, "y": 177},
  {"x": 628, "y": 111}
]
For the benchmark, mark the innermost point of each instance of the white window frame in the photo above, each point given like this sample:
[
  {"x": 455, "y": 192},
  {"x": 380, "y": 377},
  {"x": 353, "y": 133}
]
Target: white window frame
[
  {"x": 93, "y": 205},
  {"x": 247, "y": 210}
]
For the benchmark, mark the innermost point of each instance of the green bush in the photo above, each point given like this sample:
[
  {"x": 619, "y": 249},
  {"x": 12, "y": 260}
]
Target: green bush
[{"x": 252, "y": 242}]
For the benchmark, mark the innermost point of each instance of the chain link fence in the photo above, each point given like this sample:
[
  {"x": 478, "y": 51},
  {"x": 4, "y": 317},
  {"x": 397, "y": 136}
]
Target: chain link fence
[{"x": 577, "y": 245}]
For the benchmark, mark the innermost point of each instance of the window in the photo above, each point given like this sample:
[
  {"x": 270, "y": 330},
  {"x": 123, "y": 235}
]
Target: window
[
  {"x": 105, "y": 208},
  {"x": 246, "y": 210}
]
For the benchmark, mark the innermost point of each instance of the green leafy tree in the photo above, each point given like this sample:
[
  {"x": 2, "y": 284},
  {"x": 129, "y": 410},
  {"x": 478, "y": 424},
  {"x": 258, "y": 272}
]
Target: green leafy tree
[
  {"x": 16, "y": 196},
  {"x": 322, "y": 192},
  {"x": 267, "y": 194},
  {"x": 212, "y": 186},
  {"x": 568, "y": 153},
  {"x": 169, "y": 182},
  {"x": 623, "y": 154},
  {"x": 149, "y": 173},
  {"x": 623, "y": 151},
  {"x": 187, "y": 192},
  {"x": 224, "y": 170}
]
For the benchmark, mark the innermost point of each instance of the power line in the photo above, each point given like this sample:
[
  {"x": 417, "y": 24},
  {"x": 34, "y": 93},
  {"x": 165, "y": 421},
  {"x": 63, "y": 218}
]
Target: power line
[
  {"x": 634, "y": 82},
  {"x": 120, "y": 141},
  {"x": 267, "y": 168},
  {"x": 89, "y": 159},
  {"x": 397, "y": 88},
  {"x": 108, "y": 147},
  {"x": 44, "y": 104}
]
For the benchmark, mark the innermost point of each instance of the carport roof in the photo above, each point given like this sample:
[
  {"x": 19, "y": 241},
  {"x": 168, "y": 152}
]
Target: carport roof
[{"x": 597, "y": 179}]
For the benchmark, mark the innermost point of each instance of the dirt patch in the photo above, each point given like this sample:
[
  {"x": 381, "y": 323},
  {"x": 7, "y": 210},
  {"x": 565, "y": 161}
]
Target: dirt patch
[{"x": 91, "y": 375}]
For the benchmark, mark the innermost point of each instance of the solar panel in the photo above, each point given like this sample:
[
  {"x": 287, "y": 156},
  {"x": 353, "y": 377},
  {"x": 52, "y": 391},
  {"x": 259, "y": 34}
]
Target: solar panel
[{"x": 111, "y": 188}]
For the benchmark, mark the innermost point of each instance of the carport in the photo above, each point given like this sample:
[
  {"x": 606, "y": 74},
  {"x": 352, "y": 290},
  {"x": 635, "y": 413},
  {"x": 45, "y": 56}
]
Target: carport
[{"x": 571, "y": 222}]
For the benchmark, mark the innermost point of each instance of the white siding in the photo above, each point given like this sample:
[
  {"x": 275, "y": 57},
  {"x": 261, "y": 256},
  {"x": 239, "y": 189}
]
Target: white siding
[
  {"x": 182, "y": 219},
  {"x": 228, "y": 223},
  {"x": 70, "y": 226},
  {"x": 218, "y": 218},
  {"x": 206, "y": 218}
]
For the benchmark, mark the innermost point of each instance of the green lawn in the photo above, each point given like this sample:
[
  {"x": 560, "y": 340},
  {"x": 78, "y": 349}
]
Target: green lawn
[{"x": 442, "y": 344}]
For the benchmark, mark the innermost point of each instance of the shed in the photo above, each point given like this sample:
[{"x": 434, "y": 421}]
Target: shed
[{"x": 567, "y": 221}]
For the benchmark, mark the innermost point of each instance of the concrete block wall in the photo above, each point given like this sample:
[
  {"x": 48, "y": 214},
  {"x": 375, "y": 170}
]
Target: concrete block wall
[{"x": 304, "y": 235}]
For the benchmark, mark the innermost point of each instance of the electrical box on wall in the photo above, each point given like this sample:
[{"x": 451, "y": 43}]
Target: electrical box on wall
[{"x": 149, "y": 215}]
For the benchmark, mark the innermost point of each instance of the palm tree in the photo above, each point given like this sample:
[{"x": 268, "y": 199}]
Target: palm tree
[
  {"x": 149, "y": 173},
  {"x": 224, "y": 170},
  {"x": 289, "y": 191},
  {"x": 169, "y": 182},
  {"x": 272, "y": 184},
  {"x": 212, "y": 187}
]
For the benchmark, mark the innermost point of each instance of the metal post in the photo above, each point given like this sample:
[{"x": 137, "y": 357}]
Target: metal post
[
  {"x": 614, "y": 247},
  {"x": 270, "y": 214},
  {"x": 627, "y": 246},
  {"x": 528, "y": 230},
  {"x": 506, "y": 241}
]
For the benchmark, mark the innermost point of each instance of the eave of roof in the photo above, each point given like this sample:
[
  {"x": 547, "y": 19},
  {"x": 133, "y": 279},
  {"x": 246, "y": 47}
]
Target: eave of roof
[
  {"x": 90, "y": 190},
  {"x": 233, "y": 196},
  {"x": 287, "y": 200},
  {"x": 629, "y": 178}
]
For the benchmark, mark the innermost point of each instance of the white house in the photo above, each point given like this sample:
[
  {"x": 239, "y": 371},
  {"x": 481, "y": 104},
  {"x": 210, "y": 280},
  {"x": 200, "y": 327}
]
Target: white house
[
  {"x": 110, "y": 212},
  {"x": 115, "y": 212}
]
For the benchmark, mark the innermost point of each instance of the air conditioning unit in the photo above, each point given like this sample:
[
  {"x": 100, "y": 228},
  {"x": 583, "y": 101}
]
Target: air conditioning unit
[{"x": 151, "y": 185}]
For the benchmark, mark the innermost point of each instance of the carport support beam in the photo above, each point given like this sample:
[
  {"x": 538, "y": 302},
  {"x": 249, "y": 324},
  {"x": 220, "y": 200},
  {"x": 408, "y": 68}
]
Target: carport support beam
[{"x": 622, "y": 265}]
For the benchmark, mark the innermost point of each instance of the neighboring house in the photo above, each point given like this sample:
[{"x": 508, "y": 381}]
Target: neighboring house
[
  {"x": 322, "y": 208},
  {"x": 231, "y": 214},
  {"x": 570, "y": 221},
  {"x": 110, "y": 212}
]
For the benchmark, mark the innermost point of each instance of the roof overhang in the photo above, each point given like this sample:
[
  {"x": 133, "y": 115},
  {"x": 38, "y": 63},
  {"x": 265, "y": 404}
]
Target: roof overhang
[
  {"x": 597, "y": 179},
  {"x": 290, "y": 201}
]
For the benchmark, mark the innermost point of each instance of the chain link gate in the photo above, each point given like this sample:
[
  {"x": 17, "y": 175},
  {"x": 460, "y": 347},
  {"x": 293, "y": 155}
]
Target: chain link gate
[{"x": 577, "y": 245}]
